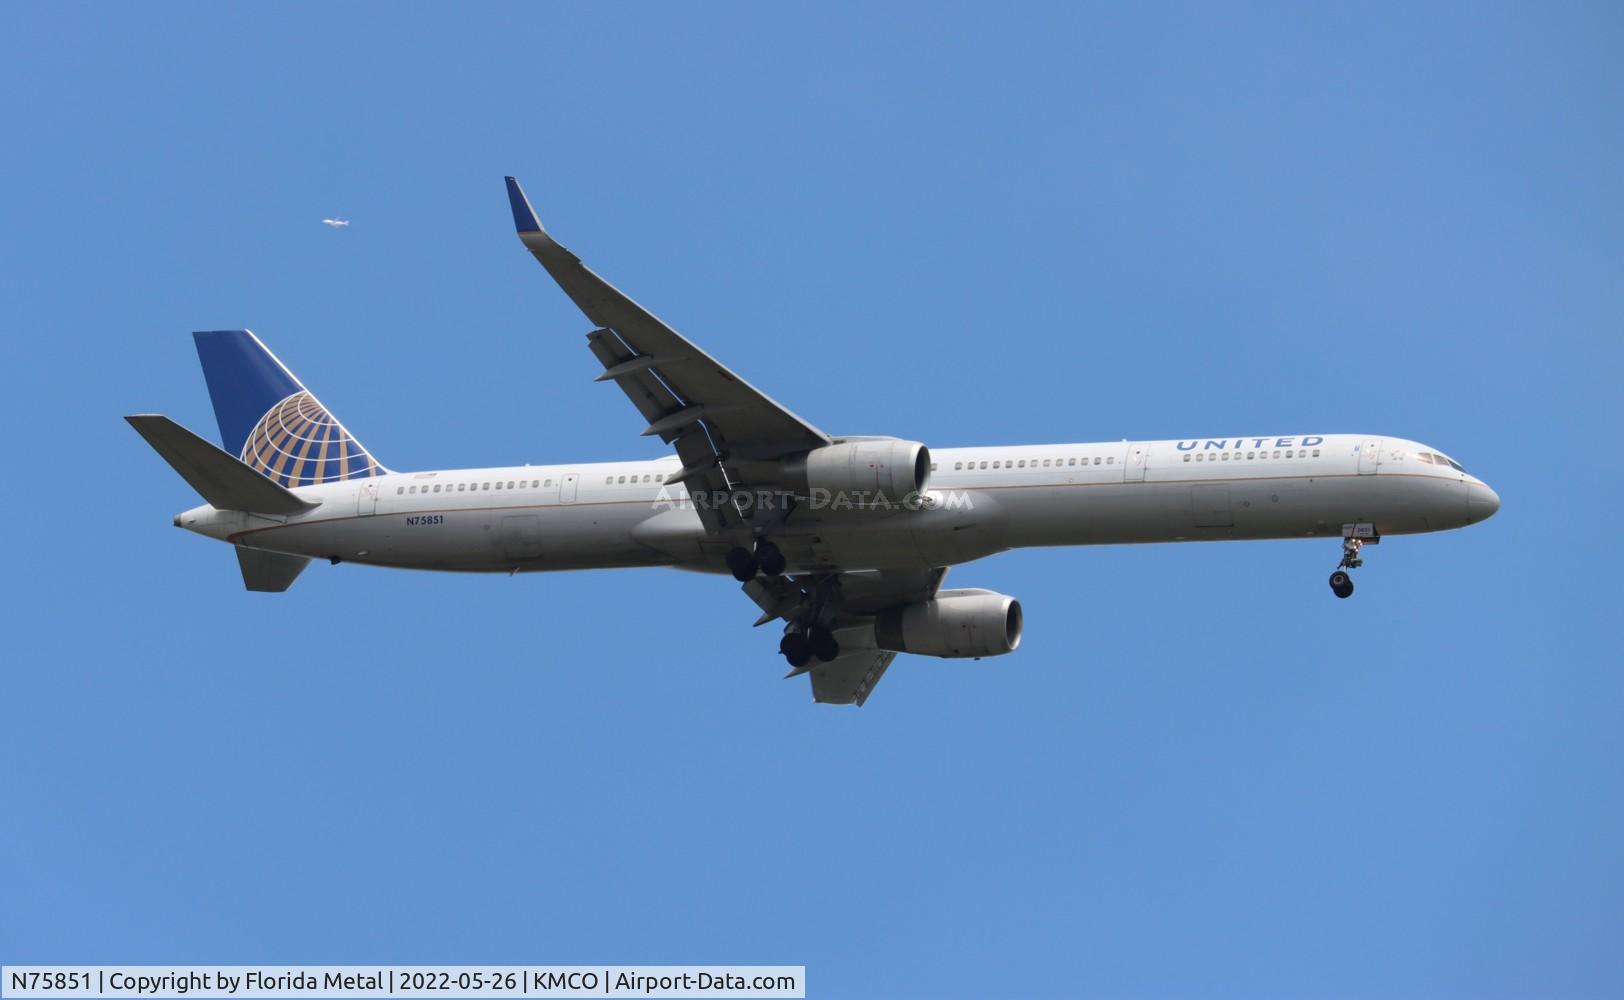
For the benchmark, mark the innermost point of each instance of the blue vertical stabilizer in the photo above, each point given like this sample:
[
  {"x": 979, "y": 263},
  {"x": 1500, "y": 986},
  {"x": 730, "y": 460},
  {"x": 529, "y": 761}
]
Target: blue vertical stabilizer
[{"x": 271, "y": 421}]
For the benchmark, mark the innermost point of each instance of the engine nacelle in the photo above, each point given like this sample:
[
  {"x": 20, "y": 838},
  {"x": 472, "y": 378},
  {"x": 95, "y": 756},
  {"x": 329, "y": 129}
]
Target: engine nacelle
[
  {"x": 861, "y": 472},
  {"x": 957, "y": 623}
]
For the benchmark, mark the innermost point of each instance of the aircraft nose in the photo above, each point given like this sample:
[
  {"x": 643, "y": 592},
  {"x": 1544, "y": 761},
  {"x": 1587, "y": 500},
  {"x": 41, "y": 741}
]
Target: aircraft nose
[{"x": 1481, "y": 502}]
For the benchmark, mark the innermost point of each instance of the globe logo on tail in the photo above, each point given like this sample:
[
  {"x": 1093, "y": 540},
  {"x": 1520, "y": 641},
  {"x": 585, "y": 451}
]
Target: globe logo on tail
[{"x": 298, "y": 443}]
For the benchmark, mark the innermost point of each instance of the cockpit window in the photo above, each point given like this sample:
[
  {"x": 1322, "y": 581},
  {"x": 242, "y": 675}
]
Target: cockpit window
[
  {"x": 1424, "y": 456},
  {"x": 1443, "y": 460}
]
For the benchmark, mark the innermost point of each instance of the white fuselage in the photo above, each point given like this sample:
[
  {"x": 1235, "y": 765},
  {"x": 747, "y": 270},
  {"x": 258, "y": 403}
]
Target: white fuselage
[{"x": 980, "y": 501}]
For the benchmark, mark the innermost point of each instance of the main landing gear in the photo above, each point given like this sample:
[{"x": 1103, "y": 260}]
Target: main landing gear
[
  {"x": 800, "y": 646},
  {"x": 745, "y": 564},
  {"x": 801, "y": 602},
  {"x": 1341, "y": 582}
]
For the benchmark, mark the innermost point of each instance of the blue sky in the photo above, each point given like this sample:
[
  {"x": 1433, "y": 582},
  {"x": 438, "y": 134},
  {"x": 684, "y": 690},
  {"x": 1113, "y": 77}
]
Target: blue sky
[{"x": 1201, "y": 775}]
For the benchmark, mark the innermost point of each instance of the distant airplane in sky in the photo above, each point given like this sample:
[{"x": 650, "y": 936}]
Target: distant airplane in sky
[
  {"x": 335, "y": 223},
  {"x": 846, "y": 539}
]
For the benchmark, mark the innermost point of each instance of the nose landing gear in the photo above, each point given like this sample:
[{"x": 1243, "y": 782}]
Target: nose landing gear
[{"x": 1341, "y": 582}]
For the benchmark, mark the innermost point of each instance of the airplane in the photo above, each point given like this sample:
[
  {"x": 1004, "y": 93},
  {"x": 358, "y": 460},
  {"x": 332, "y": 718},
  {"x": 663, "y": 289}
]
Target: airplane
[
  {"x": 846, "y": 540},
  {"x": 335, "y": 223}
]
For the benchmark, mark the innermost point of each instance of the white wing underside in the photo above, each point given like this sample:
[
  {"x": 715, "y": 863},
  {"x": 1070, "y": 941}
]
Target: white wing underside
[
  {"x": 687, "y": 398},
  {"x": 849, "y": 678},
  {"x": 709, "y": 414}
]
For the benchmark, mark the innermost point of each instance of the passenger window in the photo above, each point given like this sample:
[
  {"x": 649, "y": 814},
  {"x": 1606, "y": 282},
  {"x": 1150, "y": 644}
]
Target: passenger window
[
  {"x": 1288, "y": 453},
  {"x": 623, "y": 479},
  {"x": 486, "y": 486},
  {"x": 1096, "y": 460},
  {"x": 1109, "y": 461},
  {"x": 461, "y": 487},
  {"x": 983, "y": 465},
  {"x": 1072, "y": 460},
  {"x": 659, "y": 477},
  {"x": 995, "y": 465},
  {"x": 610, "y": 481},
  {"x": 414, "y": 489},
  {"x": 1251, "y": 454},
  {"x": 1186, "y": 456},
  {"x": 399, "y": 490},
  {"x": 498, "y": 484},
  {"x": 932, "y": 468},
  {"x": 1276, "y": 454},
  {"x": 1023, "y": 463},
  {"x": 1316, "y": 453}
]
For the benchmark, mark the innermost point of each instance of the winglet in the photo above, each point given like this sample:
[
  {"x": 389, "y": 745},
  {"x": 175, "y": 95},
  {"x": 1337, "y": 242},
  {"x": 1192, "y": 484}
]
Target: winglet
[{"x": 524, "y": 217}]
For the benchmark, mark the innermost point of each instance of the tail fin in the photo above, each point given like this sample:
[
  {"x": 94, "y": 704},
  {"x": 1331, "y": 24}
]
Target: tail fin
[{"x": 271, "y": 421}]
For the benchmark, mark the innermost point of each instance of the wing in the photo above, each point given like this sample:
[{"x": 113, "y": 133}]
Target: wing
[
  {"x": 854, "y": 598},
  {"x": 849, "y": 677},
  {"x": 687, "y": 397}
]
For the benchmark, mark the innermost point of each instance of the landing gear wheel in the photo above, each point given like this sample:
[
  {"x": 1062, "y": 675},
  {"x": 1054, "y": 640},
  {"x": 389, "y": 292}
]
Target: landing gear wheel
[
  {"x": 795, "y": 649},
  {"x": 769, "y": 559},
  {"x": 742, "y": 564},
  {"x": 822, "y": 643},
  {"x": 1341, "y": 584}
]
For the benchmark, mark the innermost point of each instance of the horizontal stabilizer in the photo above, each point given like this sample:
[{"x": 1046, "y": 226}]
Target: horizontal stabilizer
[
  {"x": 270, "y": 572},
  {"x": 225, "y": 482}
]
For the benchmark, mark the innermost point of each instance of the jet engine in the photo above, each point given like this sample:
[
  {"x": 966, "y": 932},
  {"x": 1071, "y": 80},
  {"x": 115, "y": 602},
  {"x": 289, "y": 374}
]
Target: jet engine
[
  {"x": 860, "y": 471},
  {"x": 956, "y": 623}
]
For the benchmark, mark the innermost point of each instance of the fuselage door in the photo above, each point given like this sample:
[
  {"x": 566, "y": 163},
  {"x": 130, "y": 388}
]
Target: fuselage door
[
  {"x": 366, "y": 498},
  {"x": 1370, "y": 455},
  {"x": 1209, "y": 504},
  {"x": 521, "y": 536},
  {"x": 566, "y": 487},
  {"x": 1133, "y": 464}
]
